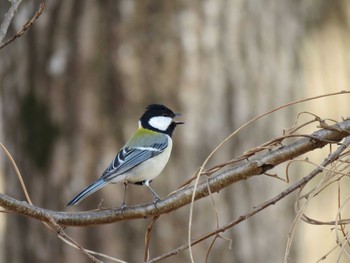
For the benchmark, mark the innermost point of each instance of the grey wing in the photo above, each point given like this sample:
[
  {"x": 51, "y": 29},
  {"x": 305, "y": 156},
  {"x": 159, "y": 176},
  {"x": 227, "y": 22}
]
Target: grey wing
[{"x": 129, "y": 157}]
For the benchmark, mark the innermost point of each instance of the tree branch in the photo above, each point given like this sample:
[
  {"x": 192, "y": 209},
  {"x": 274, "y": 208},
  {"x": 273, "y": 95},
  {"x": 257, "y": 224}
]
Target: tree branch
[
  {"x": 8, "y": 18},
  {"x": 254, "y": 166},
  {"x": 25, "y": 27}
]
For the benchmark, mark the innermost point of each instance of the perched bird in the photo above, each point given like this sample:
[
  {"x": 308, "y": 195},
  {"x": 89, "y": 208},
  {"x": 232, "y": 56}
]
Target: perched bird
[{"x": 144, "y": 155}]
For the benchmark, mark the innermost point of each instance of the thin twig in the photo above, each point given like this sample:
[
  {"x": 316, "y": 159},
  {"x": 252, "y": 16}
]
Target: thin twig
[
  {"x": 148, "y": 237},
  {"x": 341, "y": 226},
  {"x": 25, "y": 27},
  {"x": 18, "y": 173},
  {"x": 8, "y": 18},
  {"x": 216, "y": 220}
]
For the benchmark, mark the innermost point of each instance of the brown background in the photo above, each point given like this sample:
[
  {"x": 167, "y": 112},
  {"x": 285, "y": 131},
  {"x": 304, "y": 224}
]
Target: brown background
[{"x": 73, "y": 87}]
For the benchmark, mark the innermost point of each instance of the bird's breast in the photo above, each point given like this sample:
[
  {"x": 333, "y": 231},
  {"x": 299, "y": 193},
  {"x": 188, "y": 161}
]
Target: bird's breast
[{"x": 150, "y": 168}]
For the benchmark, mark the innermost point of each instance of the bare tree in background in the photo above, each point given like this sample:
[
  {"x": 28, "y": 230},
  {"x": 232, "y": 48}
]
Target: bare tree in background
[{"x": 73, "y": 87}]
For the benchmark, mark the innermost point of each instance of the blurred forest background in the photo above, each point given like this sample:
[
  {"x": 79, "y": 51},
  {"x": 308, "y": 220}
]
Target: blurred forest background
[{"x": 73, "y": 87}]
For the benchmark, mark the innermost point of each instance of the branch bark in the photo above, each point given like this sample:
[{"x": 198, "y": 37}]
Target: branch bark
[
  {"x": 25, "y": 27},
  {"x": 254, "y": 166},
  {"x": 8, "y": 18}
]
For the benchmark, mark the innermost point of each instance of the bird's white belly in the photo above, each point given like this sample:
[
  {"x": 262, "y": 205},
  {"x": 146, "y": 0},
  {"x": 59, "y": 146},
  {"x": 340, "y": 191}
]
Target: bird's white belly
[{"x": 150, "y": 168}]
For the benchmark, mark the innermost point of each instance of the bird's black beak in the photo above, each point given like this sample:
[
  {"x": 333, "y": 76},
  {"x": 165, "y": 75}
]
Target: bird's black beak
[{"x": 178, "y": 122}]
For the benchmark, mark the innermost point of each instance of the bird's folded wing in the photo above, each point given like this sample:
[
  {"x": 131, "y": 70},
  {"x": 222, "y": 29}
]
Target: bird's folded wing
[{"x": 130, "y": 156}]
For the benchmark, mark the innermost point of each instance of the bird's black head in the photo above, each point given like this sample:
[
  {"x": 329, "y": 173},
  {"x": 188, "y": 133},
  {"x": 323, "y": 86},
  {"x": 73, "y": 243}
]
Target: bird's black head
[{"x": 159, "y": 118}]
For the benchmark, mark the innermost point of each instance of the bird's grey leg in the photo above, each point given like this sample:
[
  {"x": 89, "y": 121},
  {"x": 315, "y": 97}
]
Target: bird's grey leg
[
  {"x": 146, "y": 183},
  {"x": 125, "y": 187}
]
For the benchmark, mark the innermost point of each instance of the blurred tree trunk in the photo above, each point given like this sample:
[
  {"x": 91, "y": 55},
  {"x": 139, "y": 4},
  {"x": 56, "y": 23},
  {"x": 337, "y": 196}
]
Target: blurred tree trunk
[{"x": 73, "y": 87}]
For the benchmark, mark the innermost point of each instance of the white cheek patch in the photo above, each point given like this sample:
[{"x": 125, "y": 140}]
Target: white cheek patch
[{"x": 161, "y": 123}]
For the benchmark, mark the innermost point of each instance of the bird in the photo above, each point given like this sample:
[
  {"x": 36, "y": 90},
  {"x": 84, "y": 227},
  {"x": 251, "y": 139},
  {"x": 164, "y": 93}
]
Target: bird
[{"x": 144, "y": 155}]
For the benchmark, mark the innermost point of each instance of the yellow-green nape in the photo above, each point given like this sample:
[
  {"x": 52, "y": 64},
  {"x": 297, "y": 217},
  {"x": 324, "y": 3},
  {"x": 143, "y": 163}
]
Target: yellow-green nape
[
  {"x": 142, "y": 135},
  {"x": 142, "y": 131}
]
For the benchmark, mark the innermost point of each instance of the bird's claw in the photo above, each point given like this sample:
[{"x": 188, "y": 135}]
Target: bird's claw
[{"x": 156, "y": 199}]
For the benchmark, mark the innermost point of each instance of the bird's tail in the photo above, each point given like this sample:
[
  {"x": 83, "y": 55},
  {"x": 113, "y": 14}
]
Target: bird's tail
[{"x": 92, "y": 188}]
